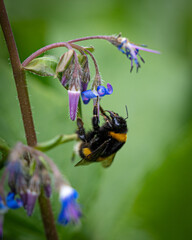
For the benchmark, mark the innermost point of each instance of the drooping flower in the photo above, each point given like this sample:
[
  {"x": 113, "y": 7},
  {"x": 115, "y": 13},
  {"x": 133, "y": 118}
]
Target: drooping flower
[
  {"x": 131, "y": 50},
  {"x": 70, "y": 209},
  {"x": 101, "y": 92},
  {"x": 27, "y": 174},
  {"x": 32, "y": 193},
  {"x": 73, "y": 102}
]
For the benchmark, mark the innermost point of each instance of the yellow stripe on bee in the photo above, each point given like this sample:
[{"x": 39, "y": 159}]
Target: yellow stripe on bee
[
  {"x": 121, "y": 137},
  {"x": 86, "y": 151}
]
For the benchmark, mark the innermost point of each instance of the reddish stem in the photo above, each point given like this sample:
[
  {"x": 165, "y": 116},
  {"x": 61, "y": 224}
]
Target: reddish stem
[
  {"x": 60, "y": 44},
  {"x": 20, "y": 81}
]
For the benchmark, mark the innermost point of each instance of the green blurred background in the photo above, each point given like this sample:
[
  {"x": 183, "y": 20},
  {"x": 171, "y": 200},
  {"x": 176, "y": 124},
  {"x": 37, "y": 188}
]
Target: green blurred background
[{"x": 146, "y": 194}]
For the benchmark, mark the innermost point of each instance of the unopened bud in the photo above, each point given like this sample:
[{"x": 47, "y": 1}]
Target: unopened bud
[
  {"x": 46, "y": 181},
  {"x": 32, "y": 194}
]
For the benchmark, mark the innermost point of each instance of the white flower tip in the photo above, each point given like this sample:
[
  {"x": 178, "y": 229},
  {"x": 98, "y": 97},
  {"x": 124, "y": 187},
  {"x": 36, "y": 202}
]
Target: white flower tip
[{"x": 65, "y": 191}]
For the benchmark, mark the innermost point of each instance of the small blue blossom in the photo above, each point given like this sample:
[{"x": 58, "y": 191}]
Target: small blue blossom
[
  {"x": 70, "y": 209},
  {"x": 10, "y": 203},
  {"x": 132, "y": 51},
  {"x": 101, "y": 92}
]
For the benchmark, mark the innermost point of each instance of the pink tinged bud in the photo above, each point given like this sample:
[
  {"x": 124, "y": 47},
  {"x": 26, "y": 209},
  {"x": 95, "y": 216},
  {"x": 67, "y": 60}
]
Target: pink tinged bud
[
  {"x": 73, "y": 103},
  {"x": 32, "y": 194},
  {"x": 23, "y": 196},
  {"x": 31, "y": 200}
]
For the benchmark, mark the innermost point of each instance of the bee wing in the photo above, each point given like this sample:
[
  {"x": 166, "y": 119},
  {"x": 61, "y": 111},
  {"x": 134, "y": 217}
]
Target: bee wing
[
  {"x": 92, "y": 157},
  {"x": 82, "y": 162},
  {"x": 108, "y": 161}
]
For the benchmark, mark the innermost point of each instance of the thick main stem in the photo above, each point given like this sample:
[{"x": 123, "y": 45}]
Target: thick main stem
[{"x": 21, "y": 86}]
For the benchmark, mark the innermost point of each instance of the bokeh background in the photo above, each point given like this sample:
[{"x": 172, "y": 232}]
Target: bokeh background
[{"x": 146, "y": 194}]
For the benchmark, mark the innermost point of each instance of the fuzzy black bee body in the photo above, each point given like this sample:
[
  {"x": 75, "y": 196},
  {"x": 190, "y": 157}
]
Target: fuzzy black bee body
[{"x": 102, "y": 143}]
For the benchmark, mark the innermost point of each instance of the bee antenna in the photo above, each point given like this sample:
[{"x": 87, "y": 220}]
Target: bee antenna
[{"x": 126, "y": 112}]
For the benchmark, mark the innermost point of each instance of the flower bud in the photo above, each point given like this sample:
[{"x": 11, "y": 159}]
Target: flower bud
[
  {"x": 32, "y": 194},
  {"x": 73, "y": 102},
  {"x": 46, "y": 182},
  {"x": 85, "y": 74},
  {"x": 14, "y": 171},
  {"x": 21, "y": 188}
]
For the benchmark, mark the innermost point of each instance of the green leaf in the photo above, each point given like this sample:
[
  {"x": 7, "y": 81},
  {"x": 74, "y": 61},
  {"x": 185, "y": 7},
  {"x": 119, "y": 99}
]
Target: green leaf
[
  {"x": 43, "y": 66},
  {"x": 45, "y": 164},
  {"x": 32, "y": 168}
]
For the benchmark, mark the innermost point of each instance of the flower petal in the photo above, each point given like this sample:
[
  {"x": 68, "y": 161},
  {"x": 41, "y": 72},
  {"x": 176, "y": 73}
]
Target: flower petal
[
  {"x": 73, "y": 103},
  {"x": 70, "y": 209}
]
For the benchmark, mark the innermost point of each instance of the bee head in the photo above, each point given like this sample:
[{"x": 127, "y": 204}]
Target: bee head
[{"x": 117, "y": 121}]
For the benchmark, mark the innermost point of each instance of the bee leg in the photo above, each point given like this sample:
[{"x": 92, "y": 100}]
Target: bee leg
[
  {"x": 103, "y": 114},
  {"x": 81, "y": 130},
  {"x": 95, "y": 119},
  {"x": 106, "y": 118}
]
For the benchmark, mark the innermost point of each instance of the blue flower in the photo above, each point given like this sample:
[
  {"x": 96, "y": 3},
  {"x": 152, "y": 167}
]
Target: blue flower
[
  {"x": 132, "y": 51},
  {"x": 10, "y": 203},
  {"x": 101, "y": 92},
  {"x": 70, "y": 209}
]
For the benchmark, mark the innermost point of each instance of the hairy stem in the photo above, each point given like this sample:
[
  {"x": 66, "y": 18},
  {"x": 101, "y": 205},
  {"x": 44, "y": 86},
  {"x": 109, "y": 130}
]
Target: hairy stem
[
  {"x": 89, "y": 38},
  {"x": 21, "y": 86},
  {"x": 44, "y": 49},
  {"x": 60, "y": 44}
]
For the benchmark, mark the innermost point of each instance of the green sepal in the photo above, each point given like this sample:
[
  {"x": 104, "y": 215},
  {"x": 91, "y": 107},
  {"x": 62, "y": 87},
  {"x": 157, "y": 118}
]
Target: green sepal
[
  {"x": 82, "y": 58},
  {"x": 43, "y": 66},
  {"x": 44, "y": 163},
  {"x": 32, "y": 167},
  {"x": 90, "y": 48},
  {"x": 64, "y": 61}
]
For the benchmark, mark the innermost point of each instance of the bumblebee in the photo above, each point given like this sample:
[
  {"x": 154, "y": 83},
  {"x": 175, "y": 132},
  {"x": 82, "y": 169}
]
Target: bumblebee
[{"x": 102, "y": 143}]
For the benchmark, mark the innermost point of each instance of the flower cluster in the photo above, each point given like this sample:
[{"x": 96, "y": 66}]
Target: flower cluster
[
  {"x": 73, "y": 71},
  {"x": 28, "y": 172},
  {"x": 26, "y": 175},
  {"x": 74, "y": 74}
]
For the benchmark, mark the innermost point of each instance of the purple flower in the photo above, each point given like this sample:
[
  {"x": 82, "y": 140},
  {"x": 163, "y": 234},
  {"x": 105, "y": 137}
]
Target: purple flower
[
  {"x": 73, "y": 103},
  {"x": 101, "y": 92},
  {"x": 70, "y": 209},
  {"x": 132, "y": 51},
  {"x": 32, "y": 194}
]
